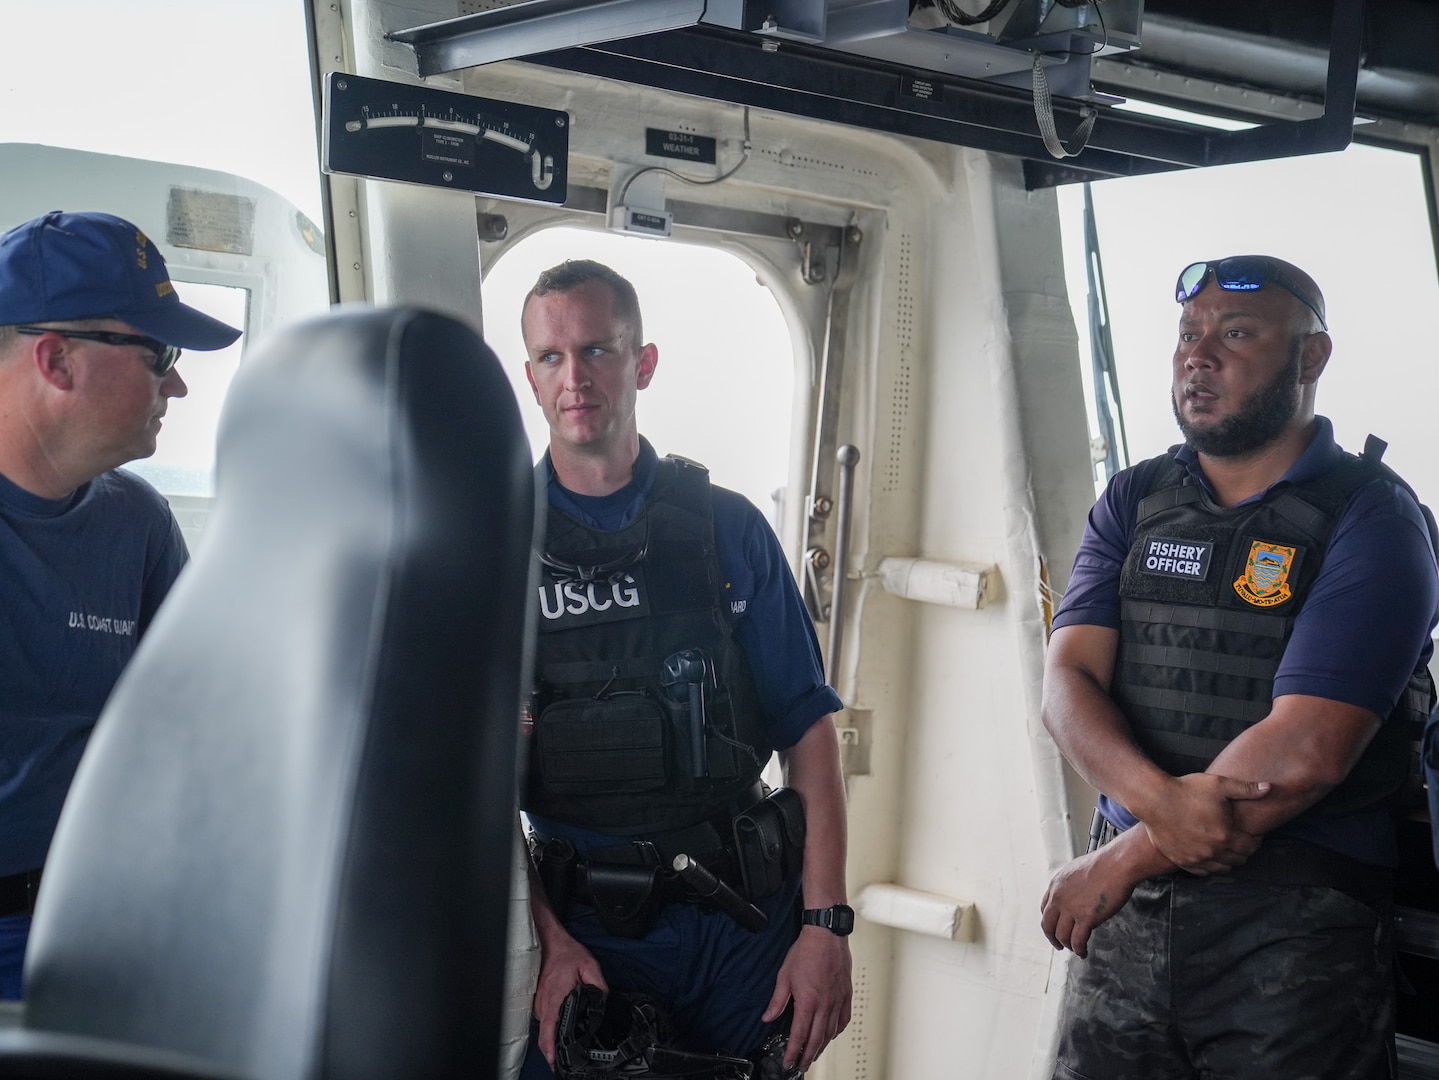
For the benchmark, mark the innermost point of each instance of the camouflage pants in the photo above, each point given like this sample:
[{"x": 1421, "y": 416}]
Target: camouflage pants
[{"x": 1218, "y": 978}]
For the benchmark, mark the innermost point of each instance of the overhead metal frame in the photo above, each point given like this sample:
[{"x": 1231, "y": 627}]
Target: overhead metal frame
[
  {"x": 507, "y": 32},
  {"x": 806, "y": 80}
]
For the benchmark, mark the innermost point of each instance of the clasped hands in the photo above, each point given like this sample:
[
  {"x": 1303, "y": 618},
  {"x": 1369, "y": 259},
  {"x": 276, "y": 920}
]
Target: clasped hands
[{"x": 1190, "y": 825}]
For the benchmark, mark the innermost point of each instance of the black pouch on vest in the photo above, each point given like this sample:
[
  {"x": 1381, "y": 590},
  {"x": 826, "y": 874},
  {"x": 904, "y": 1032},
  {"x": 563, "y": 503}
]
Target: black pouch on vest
[
  {"x": 725, "y": 762},
  {"x": 627, "y": 898},
  {"x": 769, "y": 842},
  {"x": 602, "y": 746}
]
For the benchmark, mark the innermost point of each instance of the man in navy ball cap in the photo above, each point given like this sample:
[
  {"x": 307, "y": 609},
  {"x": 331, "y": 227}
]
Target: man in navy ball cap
[{"x": 90, "y": 331}]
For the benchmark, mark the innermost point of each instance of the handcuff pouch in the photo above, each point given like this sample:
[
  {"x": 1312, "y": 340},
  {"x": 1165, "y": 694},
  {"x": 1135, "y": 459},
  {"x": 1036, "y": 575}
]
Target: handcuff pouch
[{"x": 627, "y": 899}]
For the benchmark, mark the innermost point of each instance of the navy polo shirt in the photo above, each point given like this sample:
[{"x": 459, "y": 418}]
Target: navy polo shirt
[
  {"x": 82, "y": 577},
  {"x": 1359, "y": 636}
]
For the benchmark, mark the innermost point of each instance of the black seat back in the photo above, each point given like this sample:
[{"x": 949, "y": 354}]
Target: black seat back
[{"x": 287, "y": 851}]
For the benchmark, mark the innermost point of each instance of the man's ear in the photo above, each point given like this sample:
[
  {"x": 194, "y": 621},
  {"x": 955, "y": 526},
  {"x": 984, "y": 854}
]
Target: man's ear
[
  {"x": 1314, "y": 357},
  {"x": 52, "y": 358},
  {"x": 645, "y": 370},
  {"x": 530, "y": 378}
]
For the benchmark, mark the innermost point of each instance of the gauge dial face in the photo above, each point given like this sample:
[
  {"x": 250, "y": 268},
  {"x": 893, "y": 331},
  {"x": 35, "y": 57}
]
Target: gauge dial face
[{"x": 395, "y": 131}]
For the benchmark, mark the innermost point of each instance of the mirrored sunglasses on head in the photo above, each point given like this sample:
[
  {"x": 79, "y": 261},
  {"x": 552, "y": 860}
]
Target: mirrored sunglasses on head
[
  {"x": 163, "y": 356},
  {"x": 1242, "y": 273}
]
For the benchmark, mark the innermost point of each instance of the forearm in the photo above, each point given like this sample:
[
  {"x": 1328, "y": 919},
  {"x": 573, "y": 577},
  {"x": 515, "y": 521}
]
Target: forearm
[
  {"x": 815, "y": 975},
  {"x": 812, "y": 769},
  {"x": 1131, "y": 857},
  {"x": 1095, "y": 738},
  {"x": 1304, "y": 748},
  {"x": 1291, "y": 790},
  {"x": 1136, "y": 856}
]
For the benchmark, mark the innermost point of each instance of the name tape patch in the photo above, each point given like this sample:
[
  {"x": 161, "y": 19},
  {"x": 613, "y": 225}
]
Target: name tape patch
[{"x": 1187, "y": 559}]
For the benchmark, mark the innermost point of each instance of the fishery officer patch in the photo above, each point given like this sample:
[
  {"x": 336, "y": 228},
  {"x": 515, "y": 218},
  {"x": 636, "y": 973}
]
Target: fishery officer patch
[
  {"x": 1187, "y": 559},
  {"x": 1265, "y": 581}
]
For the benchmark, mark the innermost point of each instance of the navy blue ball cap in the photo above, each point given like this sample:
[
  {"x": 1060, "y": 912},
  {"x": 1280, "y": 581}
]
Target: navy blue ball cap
[{"x": 97, "y": 266}]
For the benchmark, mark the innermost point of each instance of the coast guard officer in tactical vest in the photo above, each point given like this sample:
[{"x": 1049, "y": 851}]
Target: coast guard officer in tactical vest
[
  {"x": 674, "y": 656},
  {"x": 1239, "y": 665}
]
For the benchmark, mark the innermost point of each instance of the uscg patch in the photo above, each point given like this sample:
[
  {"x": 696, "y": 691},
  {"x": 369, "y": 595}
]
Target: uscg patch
[
  {"x": 567, "y": 603},
  {"x": 1187, "y": 559},
  {"x": 1265, "y": 581}
]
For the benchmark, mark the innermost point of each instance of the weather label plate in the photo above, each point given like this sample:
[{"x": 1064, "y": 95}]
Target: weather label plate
[
  {"x": 680, "y": 144},
  {"x": 395, "y": 131}
]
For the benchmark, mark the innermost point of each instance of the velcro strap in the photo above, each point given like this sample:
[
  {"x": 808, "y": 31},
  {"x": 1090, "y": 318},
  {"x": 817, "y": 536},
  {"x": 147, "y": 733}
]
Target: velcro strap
[
  {"x": 1168, "y": 656},
  {"x": 579, "y": 672},
  {"x": 1176, "y": 745},
  {"x": 1204, "y": 618},
  {"x": 1166, "y": 499},
  {"x": 1192, "y": 704},
  {"x": 1311, "y": 519}
]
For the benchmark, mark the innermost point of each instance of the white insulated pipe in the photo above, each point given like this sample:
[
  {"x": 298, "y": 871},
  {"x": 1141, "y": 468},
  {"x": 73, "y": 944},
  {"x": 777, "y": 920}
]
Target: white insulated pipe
[
  {"x": 917, "y": 912},
  {"x": 936, "y": 582}
]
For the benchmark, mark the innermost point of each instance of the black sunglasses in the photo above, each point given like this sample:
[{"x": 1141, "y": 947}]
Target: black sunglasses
[
  {"x": 1242, "y": 273},
  {"x": 164, "y": 355}
]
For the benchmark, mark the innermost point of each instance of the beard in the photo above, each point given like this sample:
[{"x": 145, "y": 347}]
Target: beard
[{"x": 1258, "y": 422}]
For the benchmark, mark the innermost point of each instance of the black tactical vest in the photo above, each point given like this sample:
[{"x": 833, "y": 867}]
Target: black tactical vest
[
  {"x": 1208, "y": 599},
  {"x": 634, "y": 629}
]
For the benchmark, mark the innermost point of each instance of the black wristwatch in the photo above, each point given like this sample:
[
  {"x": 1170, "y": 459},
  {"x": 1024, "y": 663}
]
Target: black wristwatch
[{"x": 837, "y": 920}]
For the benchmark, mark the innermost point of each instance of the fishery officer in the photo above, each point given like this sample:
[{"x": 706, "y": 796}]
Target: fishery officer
[
  {"x": 1238, "y": 665},
  {"x": 90, "y": 329},
  {"x": 674, "y": 654}
]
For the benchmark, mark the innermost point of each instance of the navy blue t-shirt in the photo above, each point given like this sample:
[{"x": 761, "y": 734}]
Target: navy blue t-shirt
[
  {"x": 82, "y": 578},
  {"x": 1359, "y": 636},
  {"x": 771, "y": 622}
]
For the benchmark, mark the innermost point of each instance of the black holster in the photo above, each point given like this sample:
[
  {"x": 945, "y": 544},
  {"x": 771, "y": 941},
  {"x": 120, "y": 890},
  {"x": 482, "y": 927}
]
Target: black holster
[{"x": 629, "y": 884}]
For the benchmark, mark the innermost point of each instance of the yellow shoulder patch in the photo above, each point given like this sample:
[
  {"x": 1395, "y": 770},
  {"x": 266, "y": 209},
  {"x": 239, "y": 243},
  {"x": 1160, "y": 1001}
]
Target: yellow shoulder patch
[{"x": 1265, "y": 581}]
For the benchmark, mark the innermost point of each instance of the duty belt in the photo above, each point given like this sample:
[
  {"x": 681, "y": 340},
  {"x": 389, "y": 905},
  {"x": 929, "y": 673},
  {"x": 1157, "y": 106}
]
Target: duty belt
[
  {"x": 709, "y": 839},
  {"x": 1285, "y": 860},
  {"x": 629, "y": 884},
  {"x": 1289, "y": 861},
  {"x": 705, "y": 841}
]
